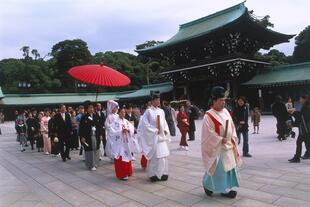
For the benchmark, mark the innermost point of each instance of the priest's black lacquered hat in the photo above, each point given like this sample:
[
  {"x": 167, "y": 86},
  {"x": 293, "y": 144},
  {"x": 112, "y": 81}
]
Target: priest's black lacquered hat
[
  {"x": 155, "y": 94},
  {"x": 218, "y": 92}
]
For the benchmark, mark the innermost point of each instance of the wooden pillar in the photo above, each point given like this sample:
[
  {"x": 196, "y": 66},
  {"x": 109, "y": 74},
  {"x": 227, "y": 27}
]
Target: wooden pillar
[{"x": 260, "y": 99}]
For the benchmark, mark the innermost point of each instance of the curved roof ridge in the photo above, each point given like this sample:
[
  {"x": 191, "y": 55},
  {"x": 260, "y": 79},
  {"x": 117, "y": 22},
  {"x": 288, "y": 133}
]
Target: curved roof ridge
[{"x": 229, "y": 9}]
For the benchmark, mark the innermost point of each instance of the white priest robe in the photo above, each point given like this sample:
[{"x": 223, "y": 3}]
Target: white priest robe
[
  {"x": 213, "y": 130},
  {"x": 154, "y": 137}
]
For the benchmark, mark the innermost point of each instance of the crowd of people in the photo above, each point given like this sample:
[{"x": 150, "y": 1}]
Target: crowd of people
[
  {"x": 114, "y": 132},
  {"x": 288, "y": 117},
  {"x": 121, "y": 132}
]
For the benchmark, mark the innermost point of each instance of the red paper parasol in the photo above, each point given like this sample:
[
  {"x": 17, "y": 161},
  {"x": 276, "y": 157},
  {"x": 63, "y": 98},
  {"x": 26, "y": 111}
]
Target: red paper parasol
[{"x": 99, "y": 75}]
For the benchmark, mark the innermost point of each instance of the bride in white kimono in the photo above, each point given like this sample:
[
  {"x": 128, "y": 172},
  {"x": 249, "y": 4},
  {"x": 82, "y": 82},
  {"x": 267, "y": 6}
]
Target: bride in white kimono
[
  {"x": 121, "y": 134},
  {"x": 112, "y": 108},
  {"x": 154, "y": 137}
]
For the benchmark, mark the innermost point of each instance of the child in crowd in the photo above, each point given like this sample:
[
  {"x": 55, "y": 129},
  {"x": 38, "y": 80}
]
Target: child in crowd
[
  {"x": 256, "y": 119},
  {"x": 21, "y": 134}
]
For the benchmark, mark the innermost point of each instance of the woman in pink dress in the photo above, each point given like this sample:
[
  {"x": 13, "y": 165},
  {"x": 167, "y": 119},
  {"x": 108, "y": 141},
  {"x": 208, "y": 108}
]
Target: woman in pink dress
[{"x": 44, "y": 132}]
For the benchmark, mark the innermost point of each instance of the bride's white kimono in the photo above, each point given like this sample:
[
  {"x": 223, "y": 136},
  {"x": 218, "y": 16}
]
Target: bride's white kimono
[
  {"x": 154, "y": 137},
  {"x": 121, "y": 146},
  {"x": 121, "y": 142},
  {"x": 110, "y": 119}
]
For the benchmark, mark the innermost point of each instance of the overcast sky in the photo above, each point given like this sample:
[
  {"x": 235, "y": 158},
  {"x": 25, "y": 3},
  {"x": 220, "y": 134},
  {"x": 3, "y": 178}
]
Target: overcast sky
[{"x": 119, "y": 25}]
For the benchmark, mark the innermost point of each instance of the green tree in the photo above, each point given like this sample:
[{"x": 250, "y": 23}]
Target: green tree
[
  {"x": 35, "y": 53},
  {"x": 35, "y": 72},
  {"x": 274, "y": 57},
  {"x": 25, "y": 50},
  {"x": 67, "y": 54},
  {"x": 153, "y": 66},
  {"x": 125, "y": 63},
  {"x": 302, "y": 49}
]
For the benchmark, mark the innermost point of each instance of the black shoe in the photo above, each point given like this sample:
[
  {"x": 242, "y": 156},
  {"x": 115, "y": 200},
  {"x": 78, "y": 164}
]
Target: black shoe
[
  {"x": 294, "y": 160},
  {"x": 230, "y": 194},
  {"x": 208, "y": 192},
  {"x": 305, "y": 157},
  {"x": 64, "y": 159},
  {"x": 26, "y": 145},
  {"x": 190, "y": 140},
  {"x": 105, "y": 154},
  {"x": 154, "y": 179},
  {"x": 69, "y": 158},
  {"x": 164, "y": 178},
  {"x": 247, "y": 155}
]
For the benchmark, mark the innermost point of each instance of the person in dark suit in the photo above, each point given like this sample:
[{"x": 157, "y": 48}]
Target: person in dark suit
[
  {"x": 99, "y": 115},
  {"x": 279, "y": 110},
  {"x": 131, "y": 117},
  {"x": 64, "y": 131},
  {"x": 192, "y": 113},
  {"x": 304, "y": 129}
]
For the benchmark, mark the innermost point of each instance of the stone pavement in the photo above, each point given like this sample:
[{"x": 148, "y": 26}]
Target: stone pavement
[{"x": 267, "y": 179}]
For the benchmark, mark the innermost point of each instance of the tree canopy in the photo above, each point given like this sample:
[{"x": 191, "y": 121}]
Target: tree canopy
[
  {"x": 51, "y": 75},
  {"x": 67, "y": 54},
  {"x": 302, "y": 49},
  {"x": 274, "y": 57}
]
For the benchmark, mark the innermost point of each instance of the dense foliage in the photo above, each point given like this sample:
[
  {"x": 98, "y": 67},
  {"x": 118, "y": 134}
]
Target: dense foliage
[
  {"x": 51, "y": 75},
  {"x": 302, "y": 48}
]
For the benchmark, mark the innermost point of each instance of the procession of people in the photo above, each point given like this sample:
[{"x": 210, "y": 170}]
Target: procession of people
[{"x": 120, "y": 133}]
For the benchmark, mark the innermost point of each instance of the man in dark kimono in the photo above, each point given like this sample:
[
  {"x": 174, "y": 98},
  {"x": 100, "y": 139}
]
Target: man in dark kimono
[
  {"x": 99, "y": 115},
  {"x": 33, "y": 127},
  {"x": 90, "y": 137},
  {"x": 64, "y": 131},
  {"x": 192, "y": 113}
]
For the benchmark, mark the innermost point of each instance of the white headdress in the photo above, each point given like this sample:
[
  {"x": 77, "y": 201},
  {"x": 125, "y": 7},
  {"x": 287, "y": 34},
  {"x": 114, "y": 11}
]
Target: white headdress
[{"x": 111, "y": 105}]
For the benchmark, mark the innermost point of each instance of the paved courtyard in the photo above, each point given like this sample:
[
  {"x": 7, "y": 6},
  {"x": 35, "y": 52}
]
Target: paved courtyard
[{"x": 267, "y": 179}]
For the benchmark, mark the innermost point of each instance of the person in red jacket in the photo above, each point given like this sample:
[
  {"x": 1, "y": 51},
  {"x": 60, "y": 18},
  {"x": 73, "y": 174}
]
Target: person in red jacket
[{"x": 183, "y": 125}]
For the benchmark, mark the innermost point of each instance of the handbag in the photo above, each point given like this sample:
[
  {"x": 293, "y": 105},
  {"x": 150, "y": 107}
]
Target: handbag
[{"x": 56, "y": 140}]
